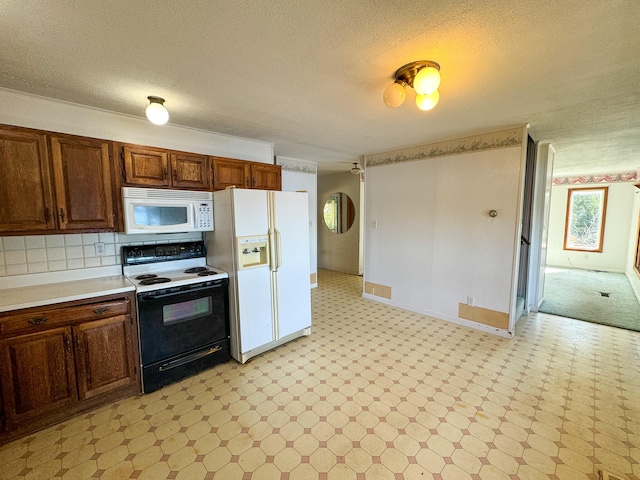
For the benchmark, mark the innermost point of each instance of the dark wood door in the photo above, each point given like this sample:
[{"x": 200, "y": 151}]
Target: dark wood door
[
  {"x": 26, "y": 193},
  {"x": 38, "y": 374},
  {"x": 105, "y": 357},
  {"x": 82, "y": 176},
  {"x": 146, "y": 166},
  {"x": 228, "y": 172},
  {"x": 266, "y": 177},
  {"x": 190, "y": 171}
]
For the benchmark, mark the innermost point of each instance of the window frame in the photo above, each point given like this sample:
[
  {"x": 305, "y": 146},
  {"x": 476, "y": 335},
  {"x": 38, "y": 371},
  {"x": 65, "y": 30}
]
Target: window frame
[{"x": 603, "y": 214}]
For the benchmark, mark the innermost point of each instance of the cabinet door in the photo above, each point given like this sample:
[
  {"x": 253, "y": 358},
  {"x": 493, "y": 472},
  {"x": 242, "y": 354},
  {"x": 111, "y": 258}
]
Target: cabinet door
[
  {"x": 146, "y": 166},
  {"x": 190, "y": 171},
  {"x": 38, "y": 374},
  {"x": 228, "y": 172},
  {"x": 266, "y": 177},
  {"x": 82, "y": 175},
  {"x": 26, "y": 193},
  {"x": 105, "y": 356}
]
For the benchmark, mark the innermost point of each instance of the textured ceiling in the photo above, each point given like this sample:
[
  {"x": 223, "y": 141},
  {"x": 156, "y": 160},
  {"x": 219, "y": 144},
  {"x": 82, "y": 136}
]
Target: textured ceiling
[{"x": 308, "y": 75}]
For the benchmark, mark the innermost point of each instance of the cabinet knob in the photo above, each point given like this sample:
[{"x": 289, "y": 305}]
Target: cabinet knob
[
  {"x": 62, "y": 214},
  {"x": 175, "y": 175},
  {"x": 37, "y": 320},
  {"x": 100, "y": 310},
  {"x": 164, "y": 173}
]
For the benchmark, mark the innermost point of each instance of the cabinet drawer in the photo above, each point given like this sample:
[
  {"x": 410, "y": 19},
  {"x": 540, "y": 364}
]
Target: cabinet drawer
[{"x": 43, "y": 319}]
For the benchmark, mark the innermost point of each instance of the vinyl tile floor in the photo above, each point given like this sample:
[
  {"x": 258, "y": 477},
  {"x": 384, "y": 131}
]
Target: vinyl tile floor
[{"x": 375, "y": 392}]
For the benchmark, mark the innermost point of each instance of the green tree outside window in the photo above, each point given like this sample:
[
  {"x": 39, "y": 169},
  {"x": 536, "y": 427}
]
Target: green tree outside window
[{"x": 586, "y": 209}]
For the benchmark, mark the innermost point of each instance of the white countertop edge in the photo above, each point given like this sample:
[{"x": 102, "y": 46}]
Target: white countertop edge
[
  {"x": 69, "y": 298},
  {"x": 27, "y": 280},
  {"x": 19, "y": 298}
]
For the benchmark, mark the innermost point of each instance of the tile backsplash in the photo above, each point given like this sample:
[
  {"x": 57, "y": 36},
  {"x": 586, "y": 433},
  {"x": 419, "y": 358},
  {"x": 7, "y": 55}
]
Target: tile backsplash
[{"x": 49, "y": 253}]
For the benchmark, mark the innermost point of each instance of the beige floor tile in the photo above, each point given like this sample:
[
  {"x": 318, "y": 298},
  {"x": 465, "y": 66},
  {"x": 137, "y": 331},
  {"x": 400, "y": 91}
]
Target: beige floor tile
[{"x": 360, "y": 400}]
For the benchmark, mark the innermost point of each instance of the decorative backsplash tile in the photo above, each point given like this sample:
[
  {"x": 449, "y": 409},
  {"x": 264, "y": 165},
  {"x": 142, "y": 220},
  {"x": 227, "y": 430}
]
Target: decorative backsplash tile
[{"x": 29, "y": 254}]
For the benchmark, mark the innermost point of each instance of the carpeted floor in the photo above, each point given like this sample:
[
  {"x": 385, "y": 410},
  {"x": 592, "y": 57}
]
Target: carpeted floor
[{"x": 578, "y": 294}]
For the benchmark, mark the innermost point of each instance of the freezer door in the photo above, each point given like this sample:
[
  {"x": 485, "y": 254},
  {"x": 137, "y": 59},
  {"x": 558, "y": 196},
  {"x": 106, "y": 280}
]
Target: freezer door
[
  {"x": 290, "y": 218},
  {"x": 250, "y": 212}
]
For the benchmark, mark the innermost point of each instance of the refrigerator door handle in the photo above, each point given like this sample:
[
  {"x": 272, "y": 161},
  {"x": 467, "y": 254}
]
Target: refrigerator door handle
[
  {"x": 279, "y": 249},
  {"x": 272, "y": 251}
]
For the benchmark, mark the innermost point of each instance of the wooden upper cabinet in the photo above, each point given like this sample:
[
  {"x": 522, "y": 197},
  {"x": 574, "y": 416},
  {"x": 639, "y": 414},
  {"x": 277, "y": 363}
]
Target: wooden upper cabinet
[
  {"x": 243, "y": 174},
  {"x": 38, "y": 374},
  {"x": 146, "y": 166},
  {"x": 228, "y": 172},
  {"x": 189, "y": 171},
  {"x": 83, "y": 183},
  {"x": 266, "y": 177},
  {"x": 26, "y": 193},
  {"x": 155, "y": 167}
]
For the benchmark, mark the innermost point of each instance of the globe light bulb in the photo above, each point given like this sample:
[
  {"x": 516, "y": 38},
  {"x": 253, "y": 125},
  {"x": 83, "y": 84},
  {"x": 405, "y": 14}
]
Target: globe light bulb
[
  {"x": 426, "y": 81},
  {"x": 427, "y": 102},
  {"x": 156, "y": 112},
  {"x": 394, "y": 95}
]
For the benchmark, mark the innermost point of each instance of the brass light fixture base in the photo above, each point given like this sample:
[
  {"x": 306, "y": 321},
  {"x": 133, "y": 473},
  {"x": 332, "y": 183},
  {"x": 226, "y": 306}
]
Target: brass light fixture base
[{"x": 406, "y": 73}]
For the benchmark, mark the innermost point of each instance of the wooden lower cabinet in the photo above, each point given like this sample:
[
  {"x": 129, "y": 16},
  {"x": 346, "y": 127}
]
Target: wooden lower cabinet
[
  {"x": 38, "y": 375},
  {"x": 58, "y": 362},
  {"x": 104, "y": 356}
]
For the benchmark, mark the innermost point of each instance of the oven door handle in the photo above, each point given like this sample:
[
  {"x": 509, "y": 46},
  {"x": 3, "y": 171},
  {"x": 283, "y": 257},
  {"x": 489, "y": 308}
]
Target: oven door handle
[
  {"x": 188, "y": 358},
  {"x": 152, "y": 296}
]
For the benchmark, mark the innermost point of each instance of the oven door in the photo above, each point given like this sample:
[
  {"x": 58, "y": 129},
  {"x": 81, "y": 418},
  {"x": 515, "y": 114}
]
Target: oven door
[{"x": 177, "y": 320}]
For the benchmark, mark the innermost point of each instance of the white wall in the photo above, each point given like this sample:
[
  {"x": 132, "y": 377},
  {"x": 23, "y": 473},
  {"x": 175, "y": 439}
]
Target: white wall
[
  {"x": 618, "y": 223},
  {"x": 302, "y": 175},
  {"x": 339, "y": 252},
  {"x": 435, "y": 244},
  {"x": 46, "y": 114}
]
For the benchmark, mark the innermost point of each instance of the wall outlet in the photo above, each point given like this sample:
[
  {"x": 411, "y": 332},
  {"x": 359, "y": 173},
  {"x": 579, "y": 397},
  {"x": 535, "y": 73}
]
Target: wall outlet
[
  {"x": 99, "y": 247},
  {"x": 471, "y": 301},
  {"x": 374, "y": 224}
]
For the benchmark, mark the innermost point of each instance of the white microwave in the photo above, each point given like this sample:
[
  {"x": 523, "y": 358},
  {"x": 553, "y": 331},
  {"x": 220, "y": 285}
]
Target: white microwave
[{"x": 152, "y": 210}]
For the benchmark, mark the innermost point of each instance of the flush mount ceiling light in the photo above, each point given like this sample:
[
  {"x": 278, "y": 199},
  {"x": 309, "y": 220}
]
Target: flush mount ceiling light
[
  {"x": 423, "y": 76},
  {"x": 356, "y": 169},
  {"x": 156, "y": 111}
]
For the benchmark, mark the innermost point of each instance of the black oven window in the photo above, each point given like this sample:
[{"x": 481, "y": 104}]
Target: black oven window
[
  {"x": 185, "y": 311},
  {"x": 159, "y": 216}
]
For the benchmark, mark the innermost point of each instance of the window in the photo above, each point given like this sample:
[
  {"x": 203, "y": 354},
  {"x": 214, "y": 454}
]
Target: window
[{"x": 584, "y": 228}]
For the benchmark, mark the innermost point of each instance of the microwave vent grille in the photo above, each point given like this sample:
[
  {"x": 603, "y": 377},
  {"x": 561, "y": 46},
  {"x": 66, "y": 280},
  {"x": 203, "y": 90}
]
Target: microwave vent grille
[{"x": 158, "y": 194}]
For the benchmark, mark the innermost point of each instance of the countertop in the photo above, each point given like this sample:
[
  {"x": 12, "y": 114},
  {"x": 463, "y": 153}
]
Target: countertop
[{"x": 59, "y": 292}]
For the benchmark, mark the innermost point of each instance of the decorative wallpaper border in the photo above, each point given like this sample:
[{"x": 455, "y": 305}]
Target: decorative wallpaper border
[
  {"x": 487, "y": 141},
  {"x": 299, "y": 166},
  {"x": 601, "y": 178}
]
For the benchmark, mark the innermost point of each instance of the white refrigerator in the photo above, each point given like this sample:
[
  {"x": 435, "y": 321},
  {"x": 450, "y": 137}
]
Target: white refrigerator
[{"x": 261, "y": 239}]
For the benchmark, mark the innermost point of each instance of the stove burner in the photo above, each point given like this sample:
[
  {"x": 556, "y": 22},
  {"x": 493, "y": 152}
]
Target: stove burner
[
  {"x": 195, "y": 270},
  {"x": 153, "y": 281},
  {"x": 146, "y": 276},
  {"x": 207, "y": 273}
]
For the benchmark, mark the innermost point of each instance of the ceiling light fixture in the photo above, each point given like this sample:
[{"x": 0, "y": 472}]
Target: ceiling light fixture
[
  {"x": 423, "y": 76},
  {"x": 156, "y": 111},
  {"x": 356, "y": 169}
]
